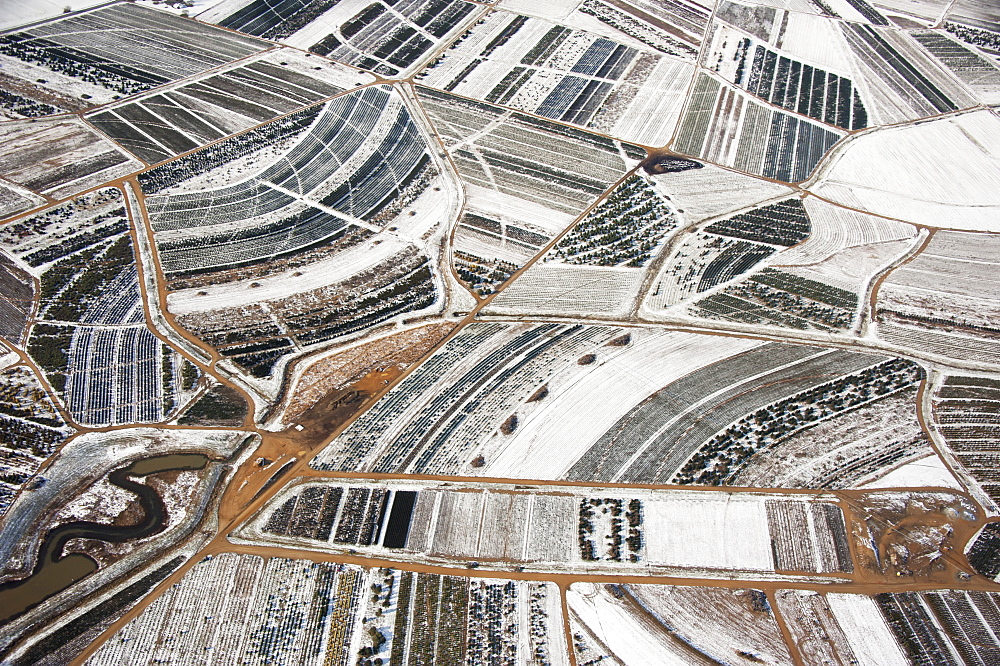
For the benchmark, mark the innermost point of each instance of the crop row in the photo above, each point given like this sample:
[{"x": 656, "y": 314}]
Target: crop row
[
  {"x": 967, "y": 413},
  {"x": 157, "y": 46},
  {"x": 602, "y": 535},
  {"x": 719, "y": 459},
  {"x": 412, "y": 432},
  {"x": 778, "y": 298},
  {"x": 898, "y": 72},
  {"x": 17, "y": 297},
  {"x": 358, "y": 440},
  {"x": 241, "y": 608},
  {"x": 179, "y": 170},
  {"x": 24, "y": 107},
  {"x": 676, "y": 422},
  {"x": 482, "y": 275},
  {"x": 388, "y": 41},
  {"x": 984, "y": 554},
  {"x": 250, "y": 336},
  {"x": 275, "y": 20},
  {"x": 799, "y": 87},
  {"x": 650, "y": 33},
  {"x": 808, "y": 537},
  {"x": 911, "y": 622},
  {"x": 771, "y": 143},
  {"x": 175, "y": 122},
  {"x": 625, "y": 229}
]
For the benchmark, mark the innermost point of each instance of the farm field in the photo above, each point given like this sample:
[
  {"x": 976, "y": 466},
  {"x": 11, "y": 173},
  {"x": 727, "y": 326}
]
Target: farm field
[
  {"x": 674, "y": 625},
  {"x": 911, "y": 187},
  {"x": 963, "y": 413},
  {"x": 235, "y": 604},
  {"x": 496, "y": 412},
  {"x": 748, "y": 135},
  {"x": 501, "y": 527},
  {"x": 517, "y": 197},
  {"x": 943, "y": 278},
  {"x": 501, "y": 332},
  {"x": 60, "y": 157},
  {"x": 184, "y": 117},
  {"x": 319, "y": 214},
  {"x": 563, "y": 74},
  {"x": 91, "y": 337},
  {"x": 387, "y": 38},
  {"x": 97, "y": 56}
]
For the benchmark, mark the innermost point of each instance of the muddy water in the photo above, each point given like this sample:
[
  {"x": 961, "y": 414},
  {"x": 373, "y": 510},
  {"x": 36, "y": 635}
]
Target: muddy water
[{"x": 54, "y": 572}]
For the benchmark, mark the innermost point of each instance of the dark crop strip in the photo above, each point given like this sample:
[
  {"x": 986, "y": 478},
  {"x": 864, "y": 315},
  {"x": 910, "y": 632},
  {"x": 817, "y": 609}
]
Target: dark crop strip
[
  {"x": 868, "y": 12},
  {"x": 921, "y": 83},
  {"x": 179, "y": 170},
  {"x": 504, "y": 35},
  {"x": 984, "y": 556},
  {"x": 547, "y": 45},
  {"x": 361, "y": 19},
  {"x": 398, "y": 527}
]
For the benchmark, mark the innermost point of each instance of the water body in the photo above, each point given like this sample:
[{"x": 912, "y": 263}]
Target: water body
[{"x": 54, "y": 572}]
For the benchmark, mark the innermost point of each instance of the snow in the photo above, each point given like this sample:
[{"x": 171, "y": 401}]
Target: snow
[
  {"x": 851, "y": 269},
  {"x": 940, "y": 173},
  {"x": 575, "y": 416},
  {"x": 872, "y": 642},
  {"x": 929, "y": 472},
  {"x": 515, "y": 208},
  {"x": 565, "y": 289},
  {"x": 712, "y": 191},
  {"x": 713, "y": 531},
  {"x": 14, "y": 13},
  {"x": 619, "y": 629},
  {"x": 330, "y": 270}
]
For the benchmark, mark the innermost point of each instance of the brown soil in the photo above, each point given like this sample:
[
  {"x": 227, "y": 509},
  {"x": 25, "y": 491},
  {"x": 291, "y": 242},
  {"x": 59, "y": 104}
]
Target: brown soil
[
  {"x": 313, "y": 428},
  {"x": 919, "y": 537},
  {"x": 334, "y": 373}
]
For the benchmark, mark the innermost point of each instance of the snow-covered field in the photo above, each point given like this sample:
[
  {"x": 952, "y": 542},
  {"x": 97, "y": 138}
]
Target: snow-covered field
[{"x": 940, "y": 173}]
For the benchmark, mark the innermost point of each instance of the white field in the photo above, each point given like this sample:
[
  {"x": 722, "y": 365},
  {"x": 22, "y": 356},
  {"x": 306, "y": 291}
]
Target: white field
[
  {"x": 19, "y": 12},
  {"x": 717, "y": 531},
  {"x": 552, "y": 10},
  {"x": 313, "y": 276},
  {"x": 952, "y": 275},
  {"x": 817, "y": 41},
  {"x": 14, "y": 199},
  {"x": 713, "y": 191},
  {"x": 929, "y": 472},
  {"x": 665, "y": 624},
  {"x": 927, "y": 11},
  {"x": 940, "y": 173},
  {"x": 869, "y": 636},
  {"x": 835, "y": 229},
  {"x": 801, "y": 6},
  {"x": 63, "y": 86},
  {"x": 493, "y": 203},
  {"x": 852, "y": 269},
  {"x": 719, "y": 622},
  {"x": 575, "y": 415},
  {"x": 654, "y": 113},
  {"x": 32, "y": 148},
  {"x": 632, "y": 638},
  {"x": 562, "y": 289}
]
